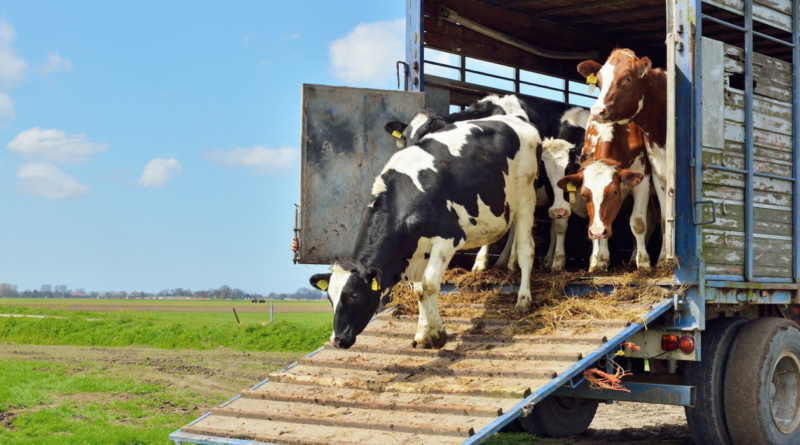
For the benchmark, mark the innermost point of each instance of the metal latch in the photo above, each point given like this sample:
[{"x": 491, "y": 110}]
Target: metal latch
[{"x": 713, "y": 212}]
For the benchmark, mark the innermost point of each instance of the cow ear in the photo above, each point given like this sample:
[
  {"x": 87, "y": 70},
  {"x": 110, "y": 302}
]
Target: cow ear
[
  {"x": 575, "y": 180},
  {"x": 589, "y": 67},
  {"x": 643, "y": 65},
  {"x": 372, "y": 277},
  {"x": 391, "y": 127},
  {"x": 321, "y": 281},
  {"x": 631, "y": 178},
  {"x": 436, "y": 124}
]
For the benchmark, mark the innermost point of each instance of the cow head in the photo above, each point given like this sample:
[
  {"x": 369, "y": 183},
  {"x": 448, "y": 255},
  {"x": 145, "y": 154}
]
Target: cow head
[
  {"x": 600, "y": 183},
  {"x": 622, "y": 82},
  {"x": 423, "y": 123},
  {"x": 355, "y": 293},
  {"x": 557, "y": 164}
]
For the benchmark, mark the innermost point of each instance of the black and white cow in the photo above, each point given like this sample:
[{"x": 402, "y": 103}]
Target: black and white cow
[
  {"x": 459, "y": 188},
  {"x": 558, "y": 121}
]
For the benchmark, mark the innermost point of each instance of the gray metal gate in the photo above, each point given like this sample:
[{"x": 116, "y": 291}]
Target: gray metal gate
[{"x": 343, "y": 148}]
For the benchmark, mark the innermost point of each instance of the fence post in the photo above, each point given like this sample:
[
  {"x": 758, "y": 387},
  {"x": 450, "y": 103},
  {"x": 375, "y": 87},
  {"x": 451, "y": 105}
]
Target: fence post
[{"x": 271, "y": 313}]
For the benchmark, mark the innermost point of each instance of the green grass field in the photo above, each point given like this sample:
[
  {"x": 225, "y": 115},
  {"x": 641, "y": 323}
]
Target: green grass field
[
  {"x": 291, "y": 331},
  {"x": 124, "y": 304}
]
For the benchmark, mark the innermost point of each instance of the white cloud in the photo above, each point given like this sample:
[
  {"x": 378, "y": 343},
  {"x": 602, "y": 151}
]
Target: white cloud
[
  {"x": 158, "y": 171},
  {"x": 294, "y": 36},
  {"x": 55, "y": 145},
  {"x": 368, "y": 54},
  {"x": 6, "y": 107},
  {"x": 47, "y": 180},
  {"x": 12, "y": 67},
  {"x": 55, "y": 63},
  {"x": 261, "y": 160}
]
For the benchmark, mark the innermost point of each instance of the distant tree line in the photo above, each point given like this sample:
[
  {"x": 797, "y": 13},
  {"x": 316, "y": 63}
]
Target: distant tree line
[{"x": 224, "y": 292}]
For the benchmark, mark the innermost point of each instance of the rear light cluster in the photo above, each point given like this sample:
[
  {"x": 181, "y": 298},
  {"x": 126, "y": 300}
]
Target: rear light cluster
[{"x": 672, "y": 343}]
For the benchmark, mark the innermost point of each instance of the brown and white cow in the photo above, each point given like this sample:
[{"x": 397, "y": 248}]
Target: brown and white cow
[
  {"x": 617, "y": 166},
  {"x": 631, "y": 90}
]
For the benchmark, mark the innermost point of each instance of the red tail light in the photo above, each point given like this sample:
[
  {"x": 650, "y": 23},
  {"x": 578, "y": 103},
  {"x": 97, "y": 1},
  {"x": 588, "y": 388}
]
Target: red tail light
[
  {"x": 669, "y": 342},
  {"x": 686, "y": 344}
]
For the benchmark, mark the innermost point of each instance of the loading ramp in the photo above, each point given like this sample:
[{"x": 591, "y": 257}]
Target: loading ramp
[{"x": 382, "y": 391}]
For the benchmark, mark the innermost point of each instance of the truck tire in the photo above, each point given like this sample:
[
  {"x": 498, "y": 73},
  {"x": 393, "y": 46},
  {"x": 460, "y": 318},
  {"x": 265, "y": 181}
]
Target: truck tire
[
  {"x": 559, "y": 417},
  {"x": 707, "y": 419},
  {"x": 762, "y": 384}
]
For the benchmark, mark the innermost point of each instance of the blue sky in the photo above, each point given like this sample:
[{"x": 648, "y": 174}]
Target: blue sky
[{"x": 153, "y": 145}]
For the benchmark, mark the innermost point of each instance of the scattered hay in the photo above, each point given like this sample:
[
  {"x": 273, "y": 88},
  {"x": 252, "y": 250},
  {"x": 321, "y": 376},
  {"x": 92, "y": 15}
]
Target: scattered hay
[{"x": 479, "y": 295}]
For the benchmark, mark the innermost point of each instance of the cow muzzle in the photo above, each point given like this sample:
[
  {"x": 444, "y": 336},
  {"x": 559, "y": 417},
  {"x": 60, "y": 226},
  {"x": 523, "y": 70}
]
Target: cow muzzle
[
  {"x": 559, "y": 213},
  {"x": 598, "y": 233},
  {"x": 600, "y": 114},
  {"x": 343, "y": 343}
]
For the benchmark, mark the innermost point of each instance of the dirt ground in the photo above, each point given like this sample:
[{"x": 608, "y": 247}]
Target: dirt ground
[{"x": 221, "y": 374}]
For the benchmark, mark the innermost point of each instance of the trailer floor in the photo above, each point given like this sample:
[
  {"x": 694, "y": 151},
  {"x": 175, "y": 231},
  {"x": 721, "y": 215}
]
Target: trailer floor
[{"x": 383, "y": 391}]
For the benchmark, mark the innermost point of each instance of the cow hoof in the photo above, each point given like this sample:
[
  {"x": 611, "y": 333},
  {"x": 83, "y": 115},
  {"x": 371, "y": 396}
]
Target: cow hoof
[
  {"x": 431, "y": 343},
  {"x": 598, "y": 268},
  {"x": 479, "y": 267},
  {"x": 523, "y": 307}
]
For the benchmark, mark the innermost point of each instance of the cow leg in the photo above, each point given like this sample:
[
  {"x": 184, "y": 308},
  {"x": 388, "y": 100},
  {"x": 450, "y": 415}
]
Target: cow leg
[
  {"x": 481, "y": 260},
  {"x": 641, "y": 197},
  {"x": 505, "y": 256},
  {"x": 560, "y": 256},
  {"x": 430, "y": 329},
  {"x": 524, "y": 247},
  {"x": 660, "y": 187},
  {"x": 598, "y": 262},
  {"x": 548, "y": 259}
]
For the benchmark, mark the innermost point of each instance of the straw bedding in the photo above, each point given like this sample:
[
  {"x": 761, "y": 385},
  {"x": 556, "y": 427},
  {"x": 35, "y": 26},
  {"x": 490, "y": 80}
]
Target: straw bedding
[{"x": 478, "y": 295}]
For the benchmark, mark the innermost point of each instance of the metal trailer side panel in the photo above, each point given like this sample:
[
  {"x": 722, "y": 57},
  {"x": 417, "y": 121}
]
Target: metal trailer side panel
[{"x": 748, "y": 161}]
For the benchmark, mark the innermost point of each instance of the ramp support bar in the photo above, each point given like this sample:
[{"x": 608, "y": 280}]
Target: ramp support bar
[
  {"x": 639, "y": 392},
  {"x": 576, "y": 369}
]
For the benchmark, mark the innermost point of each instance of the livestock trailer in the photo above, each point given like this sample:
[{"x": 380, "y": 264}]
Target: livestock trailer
[{"x": 731, "y": 228}]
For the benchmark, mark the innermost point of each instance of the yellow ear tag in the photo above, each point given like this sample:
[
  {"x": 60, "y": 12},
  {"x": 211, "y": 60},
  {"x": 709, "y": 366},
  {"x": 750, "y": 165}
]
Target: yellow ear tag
[
  {"x": 322, "y": 284},
  {"x": 375, "y": 285},
  {"x": 592, "y": 81},
  {"x": 571, "y": 189},
  {"x": 397, "y": 134},
  {"x": 644, "y": 73}
]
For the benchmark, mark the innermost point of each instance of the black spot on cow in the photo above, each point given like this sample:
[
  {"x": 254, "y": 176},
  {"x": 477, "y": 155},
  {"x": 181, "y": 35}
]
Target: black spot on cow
[
  {"x": 473, "y": 221},
  {"x": 427, "y": 257}
]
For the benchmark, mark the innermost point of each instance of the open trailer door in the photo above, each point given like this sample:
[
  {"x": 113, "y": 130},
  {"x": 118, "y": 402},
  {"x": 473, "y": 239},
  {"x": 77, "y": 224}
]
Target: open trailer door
[{"x": 343, "y": 148}]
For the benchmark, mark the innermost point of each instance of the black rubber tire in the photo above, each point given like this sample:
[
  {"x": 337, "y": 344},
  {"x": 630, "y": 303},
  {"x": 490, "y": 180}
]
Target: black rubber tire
[
  {"x": 750, "y": 388},
  {"x": 559, "y": 417},
  {"x": 707, "y": 419}
]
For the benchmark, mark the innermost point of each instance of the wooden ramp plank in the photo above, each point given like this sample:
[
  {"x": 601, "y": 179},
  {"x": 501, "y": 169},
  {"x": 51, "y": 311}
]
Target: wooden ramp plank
[
  {"x": 472, "y": 386},
  {"x": 479, "y": 354},
  {"x": 297, "y": 434},
  {"x": 363, "y": 417},
  {"x": 438, "y": 430},
  {"x": 465, "y": 410},
  {"x": 357, "y": 396},
  {"x": 432, "y": 370}
]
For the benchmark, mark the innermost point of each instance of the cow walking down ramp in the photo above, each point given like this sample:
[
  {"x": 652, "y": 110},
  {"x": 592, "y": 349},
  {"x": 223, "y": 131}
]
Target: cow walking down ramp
[
  {"x": 459, "y": 188},
  {"x": 381, "y": 391}
]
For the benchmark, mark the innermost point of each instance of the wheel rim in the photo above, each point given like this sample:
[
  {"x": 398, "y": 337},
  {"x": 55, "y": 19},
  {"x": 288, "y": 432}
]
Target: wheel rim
[{"x": 785, "y": 392}]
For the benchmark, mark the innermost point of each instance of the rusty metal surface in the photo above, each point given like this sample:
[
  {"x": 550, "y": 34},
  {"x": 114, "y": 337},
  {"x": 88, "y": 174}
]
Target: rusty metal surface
[{"x": 343, "y": 147}]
